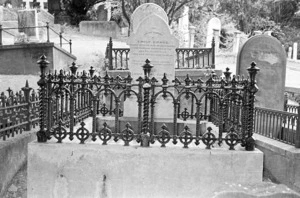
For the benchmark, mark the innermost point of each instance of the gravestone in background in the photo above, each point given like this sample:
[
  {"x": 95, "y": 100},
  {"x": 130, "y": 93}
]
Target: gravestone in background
[
  {"x": 270, "y": 57},
  {"x": 143, "y": 11},
  {"x": 101, "y": 13},
  {"x": 213, "y": 24},
  {"x": 28, "y": 18}
]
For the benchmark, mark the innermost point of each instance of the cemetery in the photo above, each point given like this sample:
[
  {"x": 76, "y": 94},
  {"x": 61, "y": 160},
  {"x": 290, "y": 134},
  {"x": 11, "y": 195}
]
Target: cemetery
[{"x": 116, "y": 110}]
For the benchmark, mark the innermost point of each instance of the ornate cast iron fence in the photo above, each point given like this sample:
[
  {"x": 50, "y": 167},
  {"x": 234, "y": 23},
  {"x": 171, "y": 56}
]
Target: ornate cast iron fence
[
  {"x": 279, "y": 125},
  {"x": 18, "y": 112},
  {"x": 67, "y": 98},
  {"x": 187, "y": 58}
]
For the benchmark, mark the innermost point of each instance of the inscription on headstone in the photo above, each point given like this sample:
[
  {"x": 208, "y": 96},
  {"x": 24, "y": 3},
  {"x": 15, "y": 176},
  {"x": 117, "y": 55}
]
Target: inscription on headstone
[
  {"x": 270, "y": 57},
  {"x": 153, "y": 40}
]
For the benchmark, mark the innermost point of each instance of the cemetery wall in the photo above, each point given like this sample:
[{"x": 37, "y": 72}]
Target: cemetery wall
[
  {"x": 281, "y": 161},
  {"x": 13, "y": 155},
  {"x": 22, "y": 59},
  {"x": 100, "y": 28}
]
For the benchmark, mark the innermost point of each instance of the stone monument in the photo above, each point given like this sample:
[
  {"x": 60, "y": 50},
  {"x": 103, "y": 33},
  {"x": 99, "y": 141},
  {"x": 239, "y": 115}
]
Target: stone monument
[
  {"x": 151, "y": 38},
  {"x": 213, "y": 24},
  {"x": 28, "y": 18},
  {"x": 270, "y": 57},
  {"x": 145, "y": 10}
]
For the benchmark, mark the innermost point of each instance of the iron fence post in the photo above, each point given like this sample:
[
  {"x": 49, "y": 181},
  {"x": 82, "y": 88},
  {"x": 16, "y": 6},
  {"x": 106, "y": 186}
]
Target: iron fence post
[
  {"x": 26, "y": 91},
  {"x": 213, "y": 53},
  {"x": 48, "y": 36},
  {"x": 297, "y": 141},
  {"x": 110, "y": 46},
  {"x": 145, "y": 135},
  {"x": 252, "y": 89},
  {"x": 60, "y": 39},
  {"x": 70, "y": 42},
  {"x": 0, "y": 34},
  {"x": 43, "y": 64}
]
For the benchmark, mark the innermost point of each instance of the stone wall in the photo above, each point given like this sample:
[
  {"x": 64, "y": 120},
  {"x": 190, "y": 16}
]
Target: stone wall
[
  {"x": 281, "y": 161},
  {"x": 13, "y": 155}
]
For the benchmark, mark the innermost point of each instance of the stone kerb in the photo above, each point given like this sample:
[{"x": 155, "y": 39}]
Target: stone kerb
[
  {"x": 213, "y": 24},
  {"x": 145, "y": 10},
  {"x": 270, "y": 57}
]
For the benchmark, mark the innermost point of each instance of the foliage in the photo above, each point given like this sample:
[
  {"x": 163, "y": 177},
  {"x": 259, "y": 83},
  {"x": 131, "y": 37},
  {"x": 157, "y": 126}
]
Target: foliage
[{"x": 77, "y": 9}]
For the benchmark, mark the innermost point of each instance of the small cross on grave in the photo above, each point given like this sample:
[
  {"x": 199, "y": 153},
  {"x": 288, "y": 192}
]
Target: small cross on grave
[
  {"x": 27, "y": 3},
  {"x": 42, "y": 3}
]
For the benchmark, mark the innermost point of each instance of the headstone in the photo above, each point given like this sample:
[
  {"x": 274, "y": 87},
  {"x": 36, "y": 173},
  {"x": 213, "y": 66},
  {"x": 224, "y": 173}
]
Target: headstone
[
  {"x": 183, "y": 26},
  {"x": 295, "y": 51},
  {"x": 270, "y": 57},
  {"x": 213, "y": 24},
  {"x": 28, "y": 18},
  {"x": 145, "y": 10},
  {"x": 152, "y": 39},
  {"x": 101, "y": 13}
]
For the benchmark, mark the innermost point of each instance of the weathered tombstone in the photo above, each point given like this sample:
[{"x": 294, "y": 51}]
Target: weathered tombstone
[
  {"x": 213, "y": 24},
  {"x": 143, "y": 11},
  {"x": 101, "y": 13},
  {"x": 28, "y": 18},
  {"x": 43, "y": 4},
  {"x": 270, "y": 57},
  {"x": 152, "y": 39}
]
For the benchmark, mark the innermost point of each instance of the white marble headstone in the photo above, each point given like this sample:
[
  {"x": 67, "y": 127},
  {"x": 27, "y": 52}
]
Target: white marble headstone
[
  {"x": 213, "y": 23},
  {"x": 29, "y": 18},
  {"x": 145, "y": 10},
  {"x": 153, "y": 40}
]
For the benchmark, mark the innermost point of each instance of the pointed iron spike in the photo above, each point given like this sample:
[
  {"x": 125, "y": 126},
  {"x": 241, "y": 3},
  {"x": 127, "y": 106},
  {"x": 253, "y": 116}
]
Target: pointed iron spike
[
  {"x": 209, "y": 129},
  {"x": 26, "y": 84},
  {"x": 82, "y": 124},
  {"x": 105, "y": 124}
]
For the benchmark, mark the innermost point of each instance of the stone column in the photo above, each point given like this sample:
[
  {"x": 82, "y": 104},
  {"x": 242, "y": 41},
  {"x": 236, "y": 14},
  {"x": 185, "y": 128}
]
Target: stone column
[
  {"x": 290, "y": 51},
  {"x": 236, "y": 43},
  {"x": 217, "y": 39},
  {"x": 295, "y": 50},
  {"x": 192, "y": 36}
]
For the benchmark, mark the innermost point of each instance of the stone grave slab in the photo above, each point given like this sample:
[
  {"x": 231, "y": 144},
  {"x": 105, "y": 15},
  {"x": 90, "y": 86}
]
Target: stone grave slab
[
  {"x": 270, "y": 57},
  {"x": 145, "y": 10},
  {"x": 213, "y": 24}
]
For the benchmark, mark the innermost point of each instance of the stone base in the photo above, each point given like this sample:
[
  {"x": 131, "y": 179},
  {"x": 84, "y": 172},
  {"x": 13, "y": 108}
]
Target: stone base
[{"x": 93, "y": 170}]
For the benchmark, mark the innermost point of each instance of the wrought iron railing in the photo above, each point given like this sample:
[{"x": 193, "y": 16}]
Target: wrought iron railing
[
  {"x": 18, "y": 112},
  {"x": 62, "y": 39},
  {"x": 76, "y": 97},
  {"x": 292, "y": 108},
  {"x": 186, "y": 58},
  {"x": 279, "y": 125}
]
